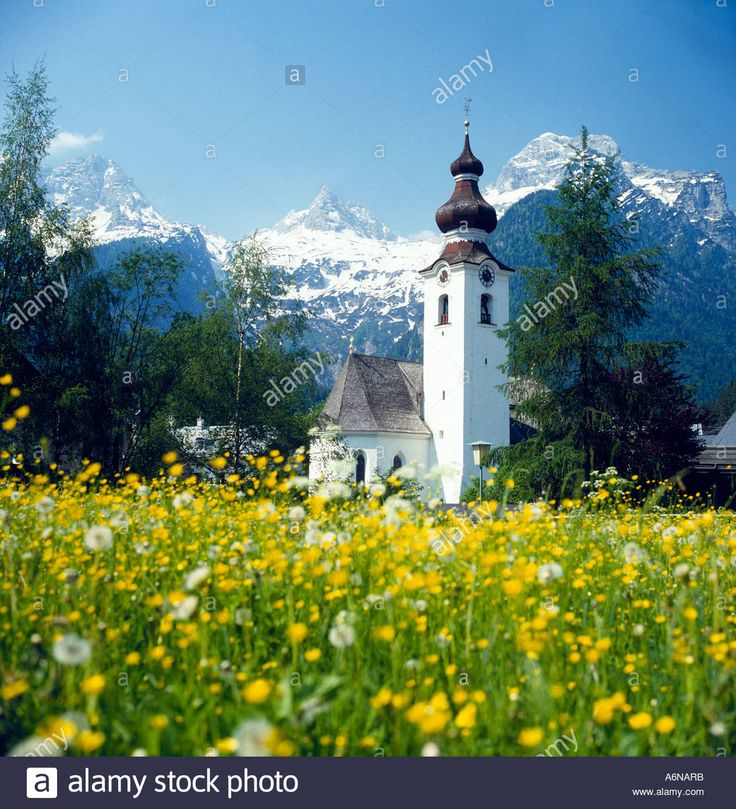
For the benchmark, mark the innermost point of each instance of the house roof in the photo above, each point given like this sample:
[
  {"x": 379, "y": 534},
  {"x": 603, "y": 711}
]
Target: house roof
[
  {"x": 719, "y": 450},
  {"x": 727, "y": 436},
  {"x": 378, "y": 394}
]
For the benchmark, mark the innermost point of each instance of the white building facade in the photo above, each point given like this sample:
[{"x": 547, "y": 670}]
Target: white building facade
[{"x": 390, "y": 413}]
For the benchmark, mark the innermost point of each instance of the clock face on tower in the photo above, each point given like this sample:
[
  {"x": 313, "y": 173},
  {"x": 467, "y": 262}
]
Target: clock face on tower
[
  {"x": 443, "y": 277},
  {"x": 487, "y": 276}
]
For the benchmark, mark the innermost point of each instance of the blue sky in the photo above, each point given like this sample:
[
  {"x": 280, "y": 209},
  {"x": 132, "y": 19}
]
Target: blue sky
[{"x": 212, "y": 72}]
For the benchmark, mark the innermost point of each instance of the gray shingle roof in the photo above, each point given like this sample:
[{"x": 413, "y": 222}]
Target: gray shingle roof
[
  {"x": 727, "y": 436},
  {"x": 377, "y": 394}
]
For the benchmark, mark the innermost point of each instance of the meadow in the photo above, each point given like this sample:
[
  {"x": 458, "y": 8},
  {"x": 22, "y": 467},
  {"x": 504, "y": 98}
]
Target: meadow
[{"x": 176, "y": 616}]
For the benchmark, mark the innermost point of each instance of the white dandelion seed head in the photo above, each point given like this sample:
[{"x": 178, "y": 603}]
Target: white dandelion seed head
[
  {"x": 98, "y": 538},
  {"x": 35, "y": 746},
  {"x": 430, "y": 750},
  {"x": 300, "y": 483},
  {"x": 182, "y": 499},
  {"x": 71, "y": 650},
  {"x": 296, "y": 514},
  {"x": 341, "y": 636},
  {"x": 184, "y": 609},
  {"x": 252, "y": 737},
  {"x": 195, "y": 577},
  {"x": 45, "y": 506},
  {"x": 633, "y": 554},
  {"x": 549, "y": 572}
]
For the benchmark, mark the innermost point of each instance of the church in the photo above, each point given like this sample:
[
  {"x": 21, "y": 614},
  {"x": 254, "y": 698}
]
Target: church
[{"x": 389, "y": 413}]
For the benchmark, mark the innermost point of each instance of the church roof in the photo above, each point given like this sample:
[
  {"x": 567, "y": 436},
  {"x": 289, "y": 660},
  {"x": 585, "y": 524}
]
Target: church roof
[
  {"x": 376, "y": 394},
  {"x": 466, "y": 207},
  {"x": 468, "y": 252}
]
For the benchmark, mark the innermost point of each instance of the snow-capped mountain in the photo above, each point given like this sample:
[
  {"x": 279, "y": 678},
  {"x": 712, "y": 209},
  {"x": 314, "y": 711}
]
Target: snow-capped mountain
[
  {"x": 356, "y": 279},
  {"x": 97, "y": 188},
  {"x": 700, "y": 195},
  {"x": 351, "y": 274},
  {"x": 327, "y": 214}
]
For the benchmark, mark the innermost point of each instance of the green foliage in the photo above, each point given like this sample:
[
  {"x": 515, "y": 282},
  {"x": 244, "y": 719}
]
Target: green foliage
[
  {"x": 723, "y": 406},
  {"x": 689, "y": 306},
  {"x": 580, "y": 380},
  {"x": 538, "y": 468},
  {"x": 109, "y": 367}
]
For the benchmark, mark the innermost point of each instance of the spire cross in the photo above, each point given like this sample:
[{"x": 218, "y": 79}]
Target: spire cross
[{"x": 466, "y": 106}]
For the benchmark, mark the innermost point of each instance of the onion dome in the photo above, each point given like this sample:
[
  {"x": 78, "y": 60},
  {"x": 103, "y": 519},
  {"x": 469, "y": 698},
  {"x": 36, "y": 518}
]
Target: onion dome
[
  {"x": 467, "y": 163},
  {"x": 466, "y": 212}
]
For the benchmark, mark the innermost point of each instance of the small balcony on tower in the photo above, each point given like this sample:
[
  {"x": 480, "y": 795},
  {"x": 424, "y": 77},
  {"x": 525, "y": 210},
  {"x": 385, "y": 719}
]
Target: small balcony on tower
[
  {"x": 486, "y": 310},
  {"x": 443, "y": 310}
]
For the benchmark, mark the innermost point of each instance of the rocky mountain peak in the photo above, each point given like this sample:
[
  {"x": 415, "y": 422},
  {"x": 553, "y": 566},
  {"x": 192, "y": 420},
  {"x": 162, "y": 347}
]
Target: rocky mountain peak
[{"x": 327, "y": 213}]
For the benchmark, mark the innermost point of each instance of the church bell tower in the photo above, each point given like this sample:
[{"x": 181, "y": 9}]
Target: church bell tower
[{"x": 466, "y": 300}]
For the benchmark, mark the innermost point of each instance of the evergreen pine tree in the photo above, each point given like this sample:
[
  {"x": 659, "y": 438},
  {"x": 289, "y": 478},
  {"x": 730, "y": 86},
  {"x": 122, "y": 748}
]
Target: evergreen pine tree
[{"x": 567, "y": 365}]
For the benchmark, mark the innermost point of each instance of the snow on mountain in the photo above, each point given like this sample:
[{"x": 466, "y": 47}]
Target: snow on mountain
[
  {"x": 121, "y": 217},
  {"x": 350, "y": 273},
  {"x": 353, "y": 276},
  {"x": 540, "y": 165},
  {"x": 326, "y": 213},
  {"x": 97, "y": 187}
]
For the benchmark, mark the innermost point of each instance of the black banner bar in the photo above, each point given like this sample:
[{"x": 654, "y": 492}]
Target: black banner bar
[{"x": 368, "y": 783}]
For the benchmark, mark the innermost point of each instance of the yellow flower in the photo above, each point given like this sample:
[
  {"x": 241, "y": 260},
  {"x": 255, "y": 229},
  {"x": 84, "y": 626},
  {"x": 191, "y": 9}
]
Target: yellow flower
[
  {"x": 510, "y": 484},
  {"x": 512, "y": 587},
  {"x": 159, "y": 721},
  {"x": 382, "y": 698},
  {"x": 257, "y": 692},
  {"x": 133, "y": 658},
  {"x": 466, "y": 717},
  {"x": 297, "y": 632},
  {"x": 22, "y": 412},
  {"x": 93, "y": 685},
  {"x": 9, "y": 424},
  {"x": 531, "y": 737},
  {"x": 169, "y": 458},
  {"x": 218, "y": 463},
  {"x": 690, "y": 613},
  {"x": 602, "y": 711},
  {"x": 312, "y": 655},
  {"x": 12, "y": 690},
  {"x": 226, "y": 747},
  {"x": 89, "y": 740},
  {"x": 384, "y": 633},
  {"x": 6, "y": 379},
  {"x": 176, "y": 469},
  {"x": 665, "y": 724},
  {"x": 641, "y": 720}
]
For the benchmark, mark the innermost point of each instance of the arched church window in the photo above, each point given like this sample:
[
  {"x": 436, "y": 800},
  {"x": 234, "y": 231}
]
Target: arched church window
[
  {"x": 360, "y": 468},
  {"x": 398, "y": 462},
  {"x": 444, "y": 309},
  {"x": 486, "y": 309}
]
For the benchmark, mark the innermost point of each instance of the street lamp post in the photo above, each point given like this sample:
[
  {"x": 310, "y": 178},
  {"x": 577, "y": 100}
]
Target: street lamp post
[{"x": 480, "y": 450}]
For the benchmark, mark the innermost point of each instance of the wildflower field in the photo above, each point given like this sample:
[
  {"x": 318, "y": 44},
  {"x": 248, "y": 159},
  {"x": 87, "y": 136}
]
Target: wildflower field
[{"x": 177, "y": 617}]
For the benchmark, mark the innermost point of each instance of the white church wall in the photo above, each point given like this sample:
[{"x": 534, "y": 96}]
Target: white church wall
[
  {"x": 461, "y": 371},
  {"x": 379, "y": 449}
]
